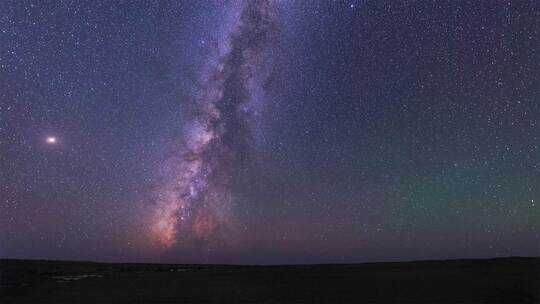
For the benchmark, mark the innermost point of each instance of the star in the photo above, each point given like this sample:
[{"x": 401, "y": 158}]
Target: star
[{"x": 51, "y": 140}]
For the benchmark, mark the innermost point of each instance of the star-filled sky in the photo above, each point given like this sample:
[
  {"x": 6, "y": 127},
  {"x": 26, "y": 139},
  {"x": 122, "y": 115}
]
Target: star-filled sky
[{"x": 269, "y": 131}]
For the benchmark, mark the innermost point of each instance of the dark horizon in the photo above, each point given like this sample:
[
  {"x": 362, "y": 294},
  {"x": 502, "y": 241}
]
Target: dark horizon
[
  {"x": 457, "y": 260},
  {"x": 269, "y": 132}
]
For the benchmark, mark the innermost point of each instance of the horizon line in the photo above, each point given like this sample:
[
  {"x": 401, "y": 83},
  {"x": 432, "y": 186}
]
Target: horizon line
[{"x": 269, "y": 264}]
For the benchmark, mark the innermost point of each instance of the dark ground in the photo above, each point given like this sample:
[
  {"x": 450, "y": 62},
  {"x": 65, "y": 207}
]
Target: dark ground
[{"x": 503, "y": 280}]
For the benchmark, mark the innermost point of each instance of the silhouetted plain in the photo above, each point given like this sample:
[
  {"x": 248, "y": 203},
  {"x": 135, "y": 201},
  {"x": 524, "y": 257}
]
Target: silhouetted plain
[{"x": 502, "y": 280}]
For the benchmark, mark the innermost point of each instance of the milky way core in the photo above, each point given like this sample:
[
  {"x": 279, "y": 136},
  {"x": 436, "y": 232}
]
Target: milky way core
[{"x": 196, "y": 202}]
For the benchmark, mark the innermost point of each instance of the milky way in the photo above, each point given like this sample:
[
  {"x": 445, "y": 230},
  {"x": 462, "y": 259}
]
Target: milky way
[{"x": 196, "y": 203}]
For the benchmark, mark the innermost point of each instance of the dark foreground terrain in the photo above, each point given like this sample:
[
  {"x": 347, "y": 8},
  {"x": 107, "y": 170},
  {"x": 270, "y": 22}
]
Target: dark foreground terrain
[{"x": 504, "y": 280}]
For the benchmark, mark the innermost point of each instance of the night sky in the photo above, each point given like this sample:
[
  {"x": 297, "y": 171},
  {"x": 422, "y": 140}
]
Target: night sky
[{"x": 269, "y": 132}]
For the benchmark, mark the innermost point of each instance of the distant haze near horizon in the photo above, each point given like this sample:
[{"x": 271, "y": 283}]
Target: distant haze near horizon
[
  {"x": 269, "y": 132},
  {"x": 21, "y": 261}
]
